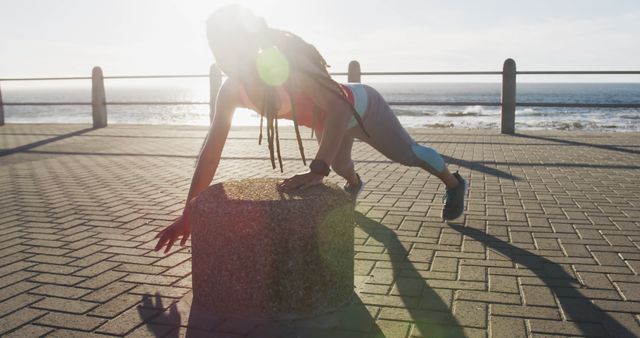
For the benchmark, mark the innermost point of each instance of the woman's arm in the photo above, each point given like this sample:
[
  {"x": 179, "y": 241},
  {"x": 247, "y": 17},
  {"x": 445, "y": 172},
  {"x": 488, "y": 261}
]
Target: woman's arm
[
  {"x": 335, "y": 126},
  {"x": 210, "y": 154},
  {"x": 208, "y": 161},
  {"x": 338, "y": 116}
]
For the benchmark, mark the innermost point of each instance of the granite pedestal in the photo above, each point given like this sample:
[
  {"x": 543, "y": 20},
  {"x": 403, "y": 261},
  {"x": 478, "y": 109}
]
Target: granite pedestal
[{"x": 262, "y": 253}]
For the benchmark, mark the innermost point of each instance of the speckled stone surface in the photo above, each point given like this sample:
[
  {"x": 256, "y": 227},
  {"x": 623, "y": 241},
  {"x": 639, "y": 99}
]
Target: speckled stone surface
[{"x": 262, "y": 253}]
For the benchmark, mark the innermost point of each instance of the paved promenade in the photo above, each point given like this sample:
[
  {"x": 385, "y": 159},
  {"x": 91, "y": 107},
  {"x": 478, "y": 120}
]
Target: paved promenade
[{"x": 549, "y": 245}]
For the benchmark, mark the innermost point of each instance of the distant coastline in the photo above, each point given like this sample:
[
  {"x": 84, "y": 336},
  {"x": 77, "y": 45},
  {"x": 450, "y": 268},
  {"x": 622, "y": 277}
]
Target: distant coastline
[{"x": 440, "y": 117}]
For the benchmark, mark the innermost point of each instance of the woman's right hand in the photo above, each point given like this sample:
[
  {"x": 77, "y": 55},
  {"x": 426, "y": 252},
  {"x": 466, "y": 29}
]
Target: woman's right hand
[
  {"x": 207, "y": 164},
  {"x": 181, "y": 226}
]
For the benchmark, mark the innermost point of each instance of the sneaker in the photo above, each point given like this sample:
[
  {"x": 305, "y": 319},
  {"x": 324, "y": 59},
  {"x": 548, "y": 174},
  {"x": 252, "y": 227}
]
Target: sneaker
[
  {"x": 454, "y": 199},
  {"x": 354, "y": 190}
]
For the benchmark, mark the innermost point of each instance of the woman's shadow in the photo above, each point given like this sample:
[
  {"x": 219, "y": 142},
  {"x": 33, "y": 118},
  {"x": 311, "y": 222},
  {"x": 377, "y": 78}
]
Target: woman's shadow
[
  {"x": 577, "y": 308},
  {"x": 354, "y": 320},
  {"x": 438, "y": 321},
  {"x": 184, "y": 319}
]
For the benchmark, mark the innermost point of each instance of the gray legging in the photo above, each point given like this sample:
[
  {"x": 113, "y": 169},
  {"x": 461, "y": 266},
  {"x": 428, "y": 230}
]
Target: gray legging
[{"x": 388, "y": 137}]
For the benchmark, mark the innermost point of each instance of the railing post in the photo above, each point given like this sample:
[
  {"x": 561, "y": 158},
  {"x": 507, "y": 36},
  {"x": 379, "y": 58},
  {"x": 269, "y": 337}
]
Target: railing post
[
  {"x": 215, "y": 81},
  {"x": 354, "y": 72},
  {"x": 508, "y": 125},
  {"x": 1, "y": 110},
  {"x": 98, "y": 99}
]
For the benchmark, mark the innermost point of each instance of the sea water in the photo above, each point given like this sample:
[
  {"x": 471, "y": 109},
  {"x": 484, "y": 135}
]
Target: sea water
[{"x": 477, "y": 116}]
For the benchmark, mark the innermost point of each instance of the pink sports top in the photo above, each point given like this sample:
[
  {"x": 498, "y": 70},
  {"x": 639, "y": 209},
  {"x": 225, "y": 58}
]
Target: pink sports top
[{"x": 356, "y": 95}]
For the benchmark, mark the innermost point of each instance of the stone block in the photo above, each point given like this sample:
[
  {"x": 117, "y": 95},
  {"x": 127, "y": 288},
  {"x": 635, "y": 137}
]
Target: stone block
[{"x": 258, "y": 252}]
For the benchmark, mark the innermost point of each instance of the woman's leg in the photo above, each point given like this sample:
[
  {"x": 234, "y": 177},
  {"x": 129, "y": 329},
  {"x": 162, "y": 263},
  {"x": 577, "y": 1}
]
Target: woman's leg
[{"x": 391, "y": 139}]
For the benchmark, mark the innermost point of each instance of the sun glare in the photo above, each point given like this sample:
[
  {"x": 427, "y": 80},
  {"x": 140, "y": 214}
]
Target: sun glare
[{"x": 199, "y": 10}]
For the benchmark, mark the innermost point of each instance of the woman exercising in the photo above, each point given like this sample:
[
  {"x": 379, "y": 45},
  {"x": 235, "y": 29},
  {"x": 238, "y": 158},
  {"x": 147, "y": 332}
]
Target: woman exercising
[{"x": 279, "y": 75}]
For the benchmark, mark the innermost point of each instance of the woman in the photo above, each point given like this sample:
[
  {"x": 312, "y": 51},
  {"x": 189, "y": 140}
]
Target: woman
[{"x": 279, "y": 75}]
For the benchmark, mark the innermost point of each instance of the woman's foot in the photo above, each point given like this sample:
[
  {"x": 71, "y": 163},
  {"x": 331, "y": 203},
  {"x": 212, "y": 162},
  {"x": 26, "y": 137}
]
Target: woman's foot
[
  {"x": 454, "y": 199},
  {"x": 354, "y": 189}
]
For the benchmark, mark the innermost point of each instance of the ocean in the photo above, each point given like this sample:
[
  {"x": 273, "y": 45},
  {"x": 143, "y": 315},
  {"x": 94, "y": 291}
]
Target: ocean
[{"x": 483, "y": 117}]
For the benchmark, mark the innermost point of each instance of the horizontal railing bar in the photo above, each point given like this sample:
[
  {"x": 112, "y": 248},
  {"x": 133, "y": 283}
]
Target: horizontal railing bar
[
  {"x": 46, "y": 103},
  {"x": 391, "y": 103},
  {"x": 155, "y": 76},
  {"x": 560, "y": 72},
  {"x": 47, "y": 78},
  {"x": 425, "y": 73},
  {"x": 150, "y": 103},
  {"x": 579, "y": 72},
  {"x": 106, "y": 77},
  {"x": 156, "y": 103},
  {"x": 441, "y": 103},
  {"x": 204, "y": 75},
  {"x": 578, "y": 105},
  {"x": 523, "y": 104}
]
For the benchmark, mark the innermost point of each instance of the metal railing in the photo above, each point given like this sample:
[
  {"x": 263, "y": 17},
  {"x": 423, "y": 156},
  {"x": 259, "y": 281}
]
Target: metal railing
[{"x": 507, "y": 103}]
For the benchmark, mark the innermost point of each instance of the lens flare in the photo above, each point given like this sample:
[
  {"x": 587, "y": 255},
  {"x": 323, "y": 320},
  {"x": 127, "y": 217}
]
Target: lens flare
[{"x": 273, "y": 66}]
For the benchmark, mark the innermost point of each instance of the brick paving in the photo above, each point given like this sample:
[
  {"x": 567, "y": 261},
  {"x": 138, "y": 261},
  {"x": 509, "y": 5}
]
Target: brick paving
[{"x": 549, "y": 245}]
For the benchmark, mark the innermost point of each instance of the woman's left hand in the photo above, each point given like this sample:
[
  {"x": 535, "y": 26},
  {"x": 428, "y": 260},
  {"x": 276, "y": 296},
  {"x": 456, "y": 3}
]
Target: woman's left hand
[{"x": 301, "y": 181}]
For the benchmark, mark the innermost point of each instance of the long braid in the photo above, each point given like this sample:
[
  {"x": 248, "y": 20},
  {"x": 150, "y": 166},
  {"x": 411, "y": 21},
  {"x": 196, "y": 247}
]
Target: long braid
[
  {"x": 278, "y": 144},
  {"x": 296, "y": 48},
  {"x": 266, "y": 110},
  {"x": 272, "y": 127}
]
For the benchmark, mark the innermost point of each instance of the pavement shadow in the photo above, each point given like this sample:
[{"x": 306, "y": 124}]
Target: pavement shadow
[
  {"x": 185, "y": 319},
  {"x": 432, "y": 318},
  {"x": 576, "y": 307},
  {"x": 582, "y": 144},
  {"x": 159, "y": 319},
  {"x": 566, "y": 165},
  {"x": 5, "y": 152},
  {"x": 435, "y": 318},
  {"x": 477, "y": 166}
]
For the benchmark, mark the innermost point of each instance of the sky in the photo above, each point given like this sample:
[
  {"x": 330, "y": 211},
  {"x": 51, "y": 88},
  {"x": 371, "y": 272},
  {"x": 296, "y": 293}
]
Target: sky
[{"x": 40, "y": 38}]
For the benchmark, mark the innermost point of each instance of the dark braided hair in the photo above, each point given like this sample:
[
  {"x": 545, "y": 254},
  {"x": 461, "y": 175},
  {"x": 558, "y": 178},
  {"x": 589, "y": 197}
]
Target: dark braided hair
[
  {"x": 238, "y": 25},
  {"x": 296, "y": 49}
]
